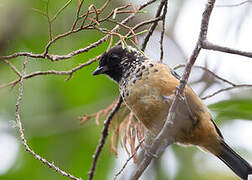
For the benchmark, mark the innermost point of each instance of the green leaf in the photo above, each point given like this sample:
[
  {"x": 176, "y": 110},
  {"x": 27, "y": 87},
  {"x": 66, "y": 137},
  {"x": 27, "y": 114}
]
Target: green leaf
[{"x": 233, "y": 109}]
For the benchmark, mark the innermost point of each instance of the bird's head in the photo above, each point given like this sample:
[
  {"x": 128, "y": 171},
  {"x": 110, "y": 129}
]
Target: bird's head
[{"x": 117, "y": 61}]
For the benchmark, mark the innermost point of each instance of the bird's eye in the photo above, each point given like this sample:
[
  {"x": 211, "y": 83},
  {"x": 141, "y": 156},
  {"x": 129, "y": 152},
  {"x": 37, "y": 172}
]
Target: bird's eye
[{"x": 114, "y": 57}]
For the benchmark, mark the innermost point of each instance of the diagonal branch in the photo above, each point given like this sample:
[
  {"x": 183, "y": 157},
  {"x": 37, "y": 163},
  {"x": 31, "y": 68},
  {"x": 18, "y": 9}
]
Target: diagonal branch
[
  {"x": 60, "y": 10},
  {"x": 103, "y": 138},
  {"x": 13, "y": 68},
  {"x": 167, "y": 129},
  {"x": 154, "y": 25},
  {"x": 128, "y": 160},
  {"x": 162, "y": 32}
]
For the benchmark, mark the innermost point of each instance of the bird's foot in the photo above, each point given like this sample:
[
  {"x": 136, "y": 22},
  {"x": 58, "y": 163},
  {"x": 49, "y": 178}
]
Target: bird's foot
[{"x": 149, "y": 153}]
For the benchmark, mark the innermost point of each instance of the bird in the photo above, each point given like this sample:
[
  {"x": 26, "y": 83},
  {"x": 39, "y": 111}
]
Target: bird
[{"x": 148, "y": 89}]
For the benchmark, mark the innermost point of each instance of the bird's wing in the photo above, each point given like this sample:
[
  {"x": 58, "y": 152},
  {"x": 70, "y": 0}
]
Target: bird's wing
[{"x": 192, "y": 106}]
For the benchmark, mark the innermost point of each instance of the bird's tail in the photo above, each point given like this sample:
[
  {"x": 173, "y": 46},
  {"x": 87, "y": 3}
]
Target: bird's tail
[{"x": 235, "y": 162}]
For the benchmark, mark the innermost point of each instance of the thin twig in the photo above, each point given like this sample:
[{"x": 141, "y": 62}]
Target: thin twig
[
  {"x": 128, "y": 160},
  {"x": 126, "y": 27},
  {"x": 22, "y": 136},
  {"x": 147, "y": 4},
  {"x": 140, "y": 25},
  {"x": 105, "y": 5},
  {"x": 226, "y": 89},
  {"x": 49, "y": 72},
  {"x": 154, "y": 25},
  {"x": 77, "y": 15},
  {"x": 39, "y": 11},
  {"x": 208, "y": 71},
  {"x": 96, "y": 12},
  {"x": 163, "y": 31},
  {"x": 60, "y": 10},
  {"x": 13, "y": 68},
  {"x": 103, "y": 138},
  {"x": 145, "y": 23},
  {"x": 234, "y": 5},
  {"x": 12, "y": 83},
  {"x": 210, "y": 46},
  {"x": 21, "y": 54},
  {"x": 49, "y": 21}
]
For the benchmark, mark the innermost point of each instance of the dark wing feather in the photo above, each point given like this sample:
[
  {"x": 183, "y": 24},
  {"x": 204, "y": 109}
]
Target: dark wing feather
[{"x": 217, "y": 129}]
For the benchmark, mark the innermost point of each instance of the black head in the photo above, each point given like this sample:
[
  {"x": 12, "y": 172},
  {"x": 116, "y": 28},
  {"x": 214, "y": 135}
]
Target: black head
[{"x": 117, "y": 61}]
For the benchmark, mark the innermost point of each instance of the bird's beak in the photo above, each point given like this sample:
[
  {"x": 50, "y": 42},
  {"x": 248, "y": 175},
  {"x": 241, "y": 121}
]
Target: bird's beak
[{"x": 100, "y": 70}]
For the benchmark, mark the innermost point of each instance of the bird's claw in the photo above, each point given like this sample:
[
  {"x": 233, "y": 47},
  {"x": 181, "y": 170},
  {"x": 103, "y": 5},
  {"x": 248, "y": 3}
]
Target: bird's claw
[{"x": 149, "y": 153}]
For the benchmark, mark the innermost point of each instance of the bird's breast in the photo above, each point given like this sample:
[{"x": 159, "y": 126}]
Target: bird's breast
[
  {"x": 144, "y": 98},
  {"x": 148, "y": 106}
]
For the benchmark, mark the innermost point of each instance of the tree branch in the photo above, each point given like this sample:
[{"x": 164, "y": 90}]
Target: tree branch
[
  {"x": 13, "y": 68},
  {"x": 210, "y": 46},
  {"x": 128, "y": 160},
  {"x": 226, "y": 89},
  {"x": 154, "y": 25},
  {"x": 208, "y": 71},
  {"x": 163, "y": 31},
  {"x": 49, "y": 72},
  {"x": 167, "y": 129},
  {"x": 103, "y": 138},
  {"x": 234, "y": 5}
]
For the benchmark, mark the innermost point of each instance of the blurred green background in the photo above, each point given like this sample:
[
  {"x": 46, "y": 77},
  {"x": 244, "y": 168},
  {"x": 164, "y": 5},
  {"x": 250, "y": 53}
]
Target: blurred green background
[{"x": 51, "y": 106}]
